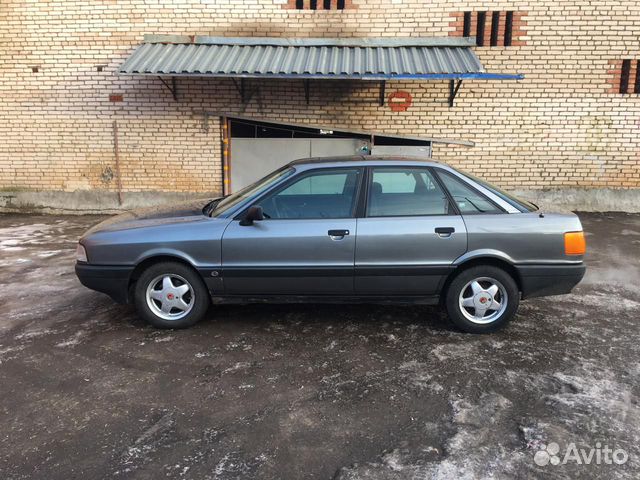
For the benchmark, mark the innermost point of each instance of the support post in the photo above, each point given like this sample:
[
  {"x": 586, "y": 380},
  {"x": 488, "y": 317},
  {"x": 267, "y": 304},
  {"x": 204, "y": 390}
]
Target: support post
[
  {"x": 453, "y": 90},
  {"x": 383, "y": 86},
  {"x": 226, "y": 155}
]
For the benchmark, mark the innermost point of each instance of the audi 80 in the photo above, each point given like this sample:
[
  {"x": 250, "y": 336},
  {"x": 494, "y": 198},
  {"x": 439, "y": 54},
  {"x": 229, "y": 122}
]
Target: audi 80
[{"x": 360, "y": 229}]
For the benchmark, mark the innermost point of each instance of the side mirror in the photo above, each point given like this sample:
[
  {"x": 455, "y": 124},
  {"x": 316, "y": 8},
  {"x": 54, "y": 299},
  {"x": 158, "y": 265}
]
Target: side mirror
[{"x": 253, "y": 214}]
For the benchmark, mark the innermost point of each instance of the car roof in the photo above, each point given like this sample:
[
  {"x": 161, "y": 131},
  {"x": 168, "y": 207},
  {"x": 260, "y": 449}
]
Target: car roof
[{"x": 366, "y": 160}]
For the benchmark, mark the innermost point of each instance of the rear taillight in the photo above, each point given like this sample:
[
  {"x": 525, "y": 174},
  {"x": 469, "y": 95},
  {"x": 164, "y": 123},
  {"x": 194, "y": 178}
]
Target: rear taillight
[{"x": 574, "y": 243}]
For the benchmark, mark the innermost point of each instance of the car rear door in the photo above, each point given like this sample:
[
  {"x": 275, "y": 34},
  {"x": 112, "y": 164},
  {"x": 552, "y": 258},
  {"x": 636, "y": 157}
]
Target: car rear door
[
  {"x": 306, "y": 243},
  {"x": 409, "y": 235}
]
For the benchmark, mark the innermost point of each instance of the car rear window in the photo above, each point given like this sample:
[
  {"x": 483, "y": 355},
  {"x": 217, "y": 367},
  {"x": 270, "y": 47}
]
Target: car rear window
[
  {"x": 511, "y": 199},
  {"x": 468, "y": 199}
]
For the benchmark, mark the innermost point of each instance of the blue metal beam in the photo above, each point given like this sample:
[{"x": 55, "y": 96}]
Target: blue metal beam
[{"x": 421, "y": 76}]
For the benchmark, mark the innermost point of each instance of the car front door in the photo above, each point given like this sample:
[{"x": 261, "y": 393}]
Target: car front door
[
  {"x": 409, "y": 236},
  {"x": 305, "y": 245}
]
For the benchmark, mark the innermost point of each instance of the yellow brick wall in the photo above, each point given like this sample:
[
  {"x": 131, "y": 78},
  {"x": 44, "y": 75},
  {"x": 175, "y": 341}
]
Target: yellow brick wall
[{"x": 560, "y": 127}]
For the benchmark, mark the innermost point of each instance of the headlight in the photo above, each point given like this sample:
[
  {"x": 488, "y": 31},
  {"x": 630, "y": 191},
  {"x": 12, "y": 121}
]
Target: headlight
[{"x": 81, "y": 254}]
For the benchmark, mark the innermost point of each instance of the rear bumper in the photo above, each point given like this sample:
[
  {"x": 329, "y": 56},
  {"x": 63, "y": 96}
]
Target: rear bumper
[
  {"x": 114, "y": 281},
  {"x": 544, "y": 280}
]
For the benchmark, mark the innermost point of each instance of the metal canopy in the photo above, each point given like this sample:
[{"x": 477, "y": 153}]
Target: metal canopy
[{"x": 449, "y": 58}]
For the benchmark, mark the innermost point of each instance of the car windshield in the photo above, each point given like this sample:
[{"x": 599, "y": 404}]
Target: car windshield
[
  {"x": 255, "y": 188},
  {"x": 511, "y": 199}
]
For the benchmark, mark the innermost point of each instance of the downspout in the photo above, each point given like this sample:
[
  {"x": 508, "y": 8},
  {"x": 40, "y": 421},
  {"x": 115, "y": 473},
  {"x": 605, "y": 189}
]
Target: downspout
[{"x": 116, "y": 151}]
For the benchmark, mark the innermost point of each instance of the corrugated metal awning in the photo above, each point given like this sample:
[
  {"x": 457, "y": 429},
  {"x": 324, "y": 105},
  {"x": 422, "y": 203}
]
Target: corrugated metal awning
[{"x": 364, "y": 59}]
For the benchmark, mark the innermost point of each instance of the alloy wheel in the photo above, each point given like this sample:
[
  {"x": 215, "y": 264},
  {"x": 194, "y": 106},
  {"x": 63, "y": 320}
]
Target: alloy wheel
[
  {"x": 170, "y": 297},
  {"x": 483, "y": 300}
]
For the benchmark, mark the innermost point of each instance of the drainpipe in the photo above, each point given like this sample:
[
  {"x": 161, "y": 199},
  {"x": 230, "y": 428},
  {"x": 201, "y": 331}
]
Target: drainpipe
[{"x": 116, "y": 151}]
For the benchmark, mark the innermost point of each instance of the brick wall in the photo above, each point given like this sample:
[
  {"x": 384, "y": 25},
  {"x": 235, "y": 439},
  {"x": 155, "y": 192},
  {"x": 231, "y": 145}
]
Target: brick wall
[{"x": 563, "y": 126}]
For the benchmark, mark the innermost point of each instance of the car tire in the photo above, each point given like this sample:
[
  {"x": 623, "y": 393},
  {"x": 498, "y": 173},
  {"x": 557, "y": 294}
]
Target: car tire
[
  {"x": 472, "y": 290},
  {"x": 171, "y": 295}
]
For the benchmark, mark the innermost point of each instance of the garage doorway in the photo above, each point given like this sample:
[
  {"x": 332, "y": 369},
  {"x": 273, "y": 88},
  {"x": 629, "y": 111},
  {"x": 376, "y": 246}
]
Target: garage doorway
[{"x": 258, "y": 148}]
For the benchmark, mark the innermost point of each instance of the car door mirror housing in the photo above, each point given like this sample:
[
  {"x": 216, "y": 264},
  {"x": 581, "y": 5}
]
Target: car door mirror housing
[{"x": 254, "y": 213}]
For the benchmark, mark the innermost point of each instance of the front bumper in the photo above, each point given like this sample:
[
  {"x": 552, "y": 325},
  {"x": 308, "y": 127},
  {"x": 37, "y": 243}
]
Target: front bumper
[
  {"x": 544, "y": 280},
  {"x": 114, "y": 281}
]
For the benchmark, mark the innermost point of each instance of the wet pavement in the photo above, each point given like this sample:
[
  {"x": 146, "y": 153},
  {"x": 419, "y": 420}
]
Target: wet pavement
[{"x": 314, "y": 391}]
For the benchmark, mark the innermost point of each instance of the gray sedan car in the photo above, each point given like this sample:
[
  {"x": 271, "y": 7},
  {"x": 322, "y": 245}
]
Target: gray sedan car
[{"x": 363, "y": 228}]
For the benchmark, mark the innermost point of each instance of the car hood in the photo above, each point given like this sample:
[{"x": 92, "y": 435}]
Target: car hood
[{"x": 160, "y": 215}]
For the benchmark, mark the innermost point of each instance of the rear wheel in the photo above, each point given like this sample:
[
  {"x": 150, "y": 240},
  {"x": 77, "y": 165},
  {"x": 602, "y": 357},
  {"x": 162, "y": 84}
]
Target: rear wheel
[
  {"x": 482, "y": 299},
  {"x": 171, "y": 295}
]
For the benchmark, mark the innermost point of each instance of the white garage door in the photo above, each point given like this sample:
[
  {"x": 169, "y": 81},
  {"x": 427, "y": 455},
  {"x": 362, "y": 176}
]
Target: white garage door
[{"x": 253, "y": 158}]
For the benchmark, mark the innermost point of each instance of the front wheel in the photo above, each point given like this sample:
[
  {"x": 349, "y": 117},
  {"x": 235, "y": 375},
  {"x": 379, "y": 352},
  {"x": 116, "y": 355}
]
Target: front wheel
[
  {"x": 171, "y": 295},
  {"x": 482, "y": 299}
]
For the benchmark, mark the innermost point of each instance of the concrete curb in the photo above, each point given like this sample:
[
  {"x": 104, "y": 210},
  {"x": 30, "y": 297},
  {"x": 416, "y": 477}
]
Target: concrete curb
[
  {"x": 586, "y": 199},
  {"x": 83, "y": 202}
]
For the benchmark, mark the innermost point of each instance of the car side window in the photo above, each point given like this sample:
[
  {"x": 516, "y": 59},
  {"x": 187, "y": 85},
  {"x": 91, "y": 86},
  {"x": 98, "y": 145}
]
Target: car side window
[
  {"x": 319, "y": 194},
  {"x": 405, "y": 192},
  {"x": 468, "y": 200}
]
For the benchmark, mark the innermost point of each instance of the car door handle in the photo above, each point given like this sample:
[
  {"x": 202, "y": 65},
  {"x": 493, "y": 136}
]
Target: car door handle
[
  {"x": 445, "y": 231},
  {"x": 338, "y": 234}
]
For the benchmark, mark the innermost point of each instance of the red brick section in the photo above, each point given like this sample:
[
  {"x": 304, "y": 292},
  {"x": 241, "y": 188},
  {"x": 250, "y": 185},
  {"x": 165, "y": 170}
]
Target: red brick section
[
  {"x": 457, "y": 24},
  {"x": 291, "y": 5},
  {"x": 615, "y": 75},
  {"x": 518, "y": 27},
  {"x": 615, "y": 72},
  {"x": 114, "y": 97}
]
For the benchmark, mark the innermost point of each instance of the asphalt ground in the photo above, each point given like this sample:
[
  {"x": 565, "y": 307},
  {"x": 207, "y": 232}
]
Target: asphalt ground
[{"x": 314, "y": 391}]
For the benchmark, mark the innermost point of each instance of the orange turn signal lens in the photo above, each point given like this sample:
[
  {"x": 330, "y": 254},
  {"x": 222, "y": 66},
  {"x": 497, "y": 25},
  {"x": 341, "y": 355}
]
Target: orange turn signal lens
[{"x": 574, "y": 243}]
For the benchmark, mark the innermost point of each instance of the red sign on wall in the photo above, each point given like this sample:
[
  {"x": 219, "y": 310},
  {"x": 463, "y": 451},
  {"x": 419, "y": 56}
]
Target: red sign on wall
[{"x": 399, "y": 101}]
